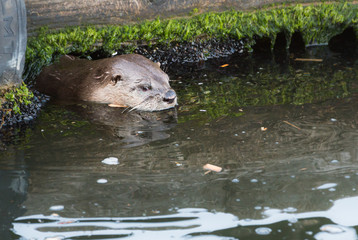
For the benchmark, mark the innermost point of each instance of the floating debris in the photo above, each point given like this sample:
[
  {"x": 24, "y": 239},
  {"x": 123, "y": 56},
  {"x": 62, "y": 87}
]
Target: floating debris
[
  {"x": 330, "y": 228},
  {"x": 325, "y": 186},
  {"x": 111, "y": 161},
  {"x": 309, "y": 59},
  {"x": 57, "y": 208},
  {"x": 102, "y": 180},
  {"x": 292, "y": 125},
  {"x": 116, "y": 105},
  {"x": 211, "y": 167}
]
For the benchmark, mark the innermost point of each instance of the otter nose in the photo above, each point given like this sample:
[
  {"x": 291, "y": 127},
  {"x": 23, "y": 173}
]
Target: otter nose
[{"x": 169, "y": 96}]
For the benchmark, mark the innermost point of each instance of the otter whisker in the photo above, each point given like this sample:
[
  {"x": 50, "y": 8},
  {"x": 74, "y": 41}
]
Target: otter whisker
[
  {"x": 126, "y": 109},
  {"x": 98, "y": 77},
  {"x": 143, "y": 103}
]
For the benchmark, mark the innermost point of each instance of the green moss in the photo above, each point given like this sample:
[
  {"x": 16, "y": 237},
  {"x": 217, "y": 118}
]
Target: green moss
[
  {"x": 17, "y": 96},
  {"x": 317, "y": 23}
]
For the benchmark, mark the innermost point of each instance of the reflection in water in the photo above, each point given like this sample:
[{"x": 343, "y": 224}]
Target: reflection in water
[
  {"x": 13, "y": 188},
  {"x": 284, "y": 165},
  {"x": 194, "y": 222},
  {"x": 174, "y": 226},
  {"x": 134, "y": 128}
]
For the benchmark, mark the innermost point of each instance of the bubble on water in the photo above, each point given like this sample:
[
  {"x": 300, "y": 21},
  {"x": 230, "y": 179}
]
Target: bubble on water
[
  {"x": 272, "y": 212},
  {"x": 309, "y": 233},
  {"x": 292, "y": 220},
  {"x": 57, "y": 208},
  {"x": 258, "y": 208},
  {"x": 235, "y": 180},
  {"x": 102, "y": 180},
  {"x": 290, "y": 209},
  {"x": 55, "y": 238},
  {"x": 236, "y": 134},
  {"x": 254, "y": 180},
  {"x": 237, "y": 199},
  {"x": 263, "y": 230},
  {"x": 111, "y": 161},
  {"x": 243, "y": 132},
  {"x": 332, "y": 189},
  {"x": 333, "y": 120},
  {"x": 334, "y": 161},
  {"x": 347, "y": 176}
]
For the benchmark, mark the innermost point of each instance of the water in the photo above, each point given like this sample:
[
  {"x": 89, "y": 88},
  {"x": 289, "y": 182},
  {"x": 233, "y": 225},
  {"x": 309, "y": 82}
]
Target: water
[{"x": 85, "y": 171}]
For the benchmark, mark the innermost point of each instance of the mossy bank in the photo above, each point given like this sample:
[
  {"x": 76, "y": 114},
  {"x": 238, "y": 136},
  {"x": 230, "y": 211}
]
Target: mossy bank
[
  {"x": 194, "y": 38},
  {"x": 317, "y": 23}
]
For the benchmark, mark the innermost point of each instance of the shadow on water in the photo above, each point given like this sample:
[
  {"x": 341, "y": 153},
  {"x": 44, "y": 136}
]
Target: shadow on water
[{"x": 285, "y": 135}]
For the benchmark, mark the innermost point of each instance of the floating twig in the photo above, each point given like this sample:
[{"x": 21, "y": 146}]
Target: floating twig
[
  {"x": 292, "y": 125},
  {"x": 309, "y": 59}
]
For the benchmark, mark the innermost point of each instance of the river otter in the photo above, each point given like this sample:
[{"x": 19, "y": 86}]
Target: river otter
[{"x": 126, "y": 80}]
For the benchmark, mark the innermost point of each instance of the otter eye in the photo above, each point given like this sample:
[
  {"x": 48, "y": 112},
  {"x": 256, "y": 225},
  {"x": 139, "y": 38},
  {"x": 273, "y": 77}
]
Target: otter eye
[
  {"x": 116, "y": 79},
  {"x": 145, "y": 88}
]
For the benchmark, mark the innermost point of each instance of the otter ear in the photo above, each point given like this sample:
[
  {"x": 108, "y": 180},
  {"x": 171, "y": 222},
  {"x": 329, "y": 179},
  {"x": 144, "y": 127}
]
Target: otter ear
[{"x": 115, "y": 79}]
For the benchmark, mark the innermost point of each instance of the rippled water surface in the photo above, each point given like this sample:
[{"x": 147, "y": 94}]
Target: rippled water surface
[{"x": 285, "y": 135}]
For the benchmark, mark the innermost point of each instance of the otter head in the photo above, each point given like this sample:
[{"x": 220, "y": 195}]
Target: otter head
[{"x": 135, "y": 81}]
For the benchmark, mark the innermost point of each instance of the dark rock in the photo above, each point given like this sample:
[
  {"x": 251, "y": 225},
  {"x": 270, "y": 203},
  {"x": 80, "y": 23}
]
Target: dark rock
[
  {"x": 346, "y": 42},
  {"x": 262, "y": 47},
  {"x": 280, "y": 45},
  {"x": 297, "y": 45}
]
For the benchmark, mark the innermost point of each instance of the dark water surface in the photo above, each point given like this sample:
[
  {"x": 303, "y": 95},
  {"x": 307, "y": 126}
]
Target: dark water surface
[{"x": 286, "y": 136}]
